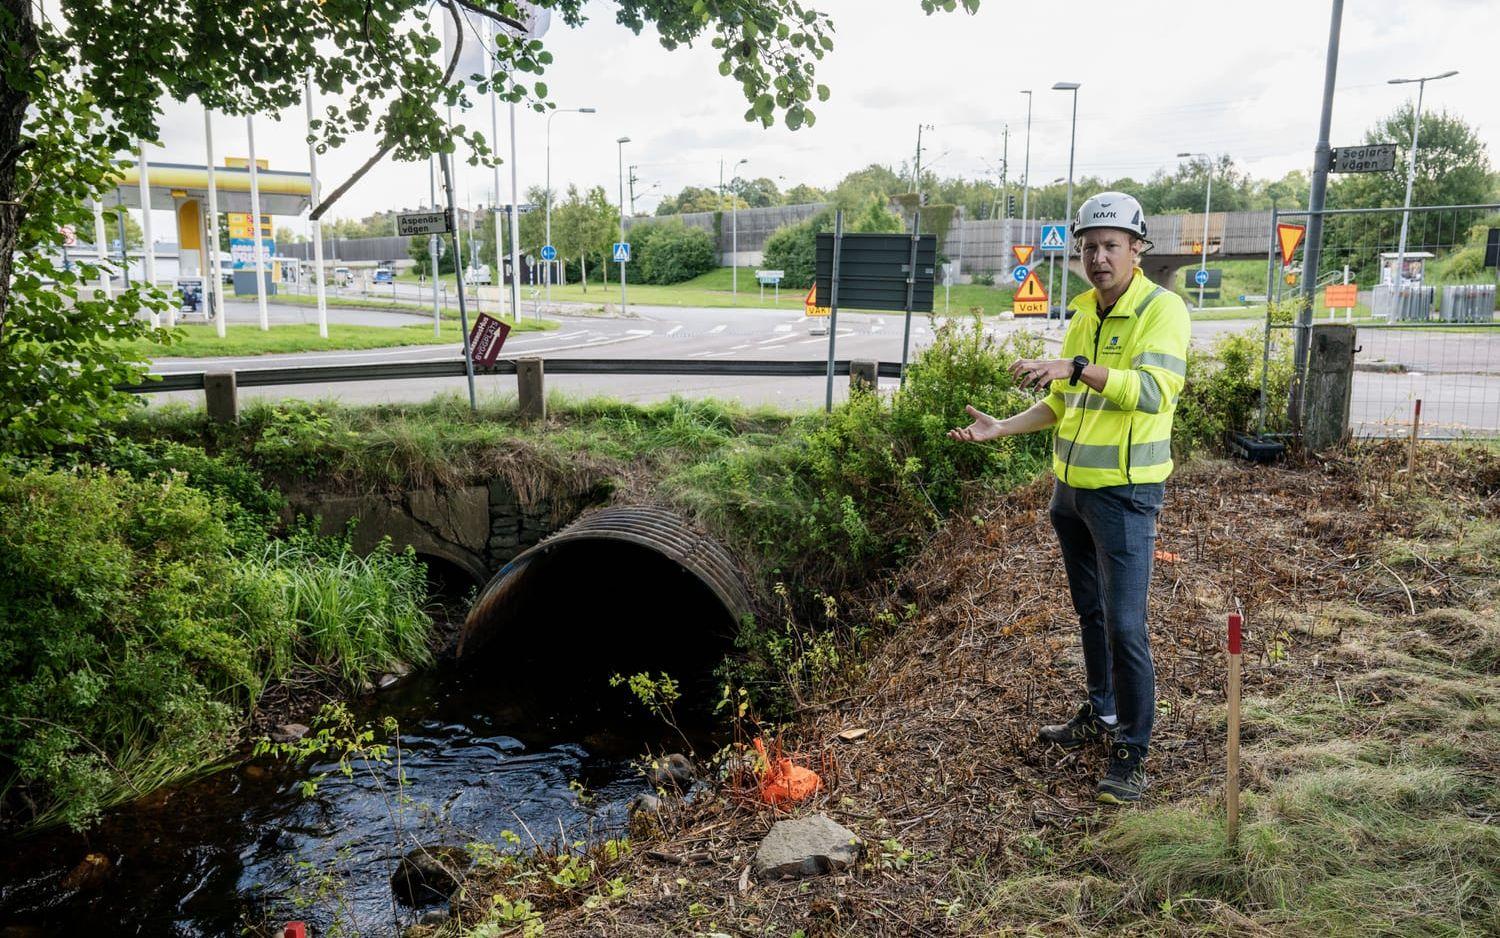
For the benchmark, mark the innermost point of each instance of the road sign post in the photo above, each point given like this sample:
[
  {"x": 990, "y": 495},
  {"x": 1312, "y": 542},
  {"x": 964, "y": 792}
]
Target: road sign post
[
  {"x": 458, "y": 277},
  {"x": 1371, "y": 158},
  {"x": 486, "y": 339},
  {"x": 1031, "y": 297},
  {"x": 620, "y": 252},
  {"x": 411, "y": 224}
]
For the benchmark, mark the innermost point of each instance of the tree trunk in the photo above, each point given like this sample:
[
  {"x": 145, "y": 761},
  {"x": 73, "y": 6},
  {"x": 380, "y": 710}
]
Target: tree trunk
[
  {"x": 17, "y": 30},
  {"x": 583, "y": 262}
]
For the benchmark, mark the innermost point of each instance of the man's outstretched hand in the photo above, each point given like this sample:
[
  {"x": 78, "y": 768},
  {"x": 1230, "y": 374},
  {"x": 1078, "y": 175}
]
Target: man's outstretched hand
[{"x": 983, "y": 428}]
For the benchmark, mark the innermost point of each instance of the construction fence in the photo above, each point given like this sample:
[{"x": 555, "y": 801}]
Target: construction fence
[{"x": 1425, "y": 314}]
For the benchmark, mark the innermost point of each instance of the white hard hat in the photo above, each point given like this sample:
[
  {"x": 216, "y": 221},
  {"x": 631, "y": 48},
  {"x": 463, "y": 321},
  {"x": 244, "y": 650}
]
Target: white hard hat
[{"x": 1111, "y": 210}]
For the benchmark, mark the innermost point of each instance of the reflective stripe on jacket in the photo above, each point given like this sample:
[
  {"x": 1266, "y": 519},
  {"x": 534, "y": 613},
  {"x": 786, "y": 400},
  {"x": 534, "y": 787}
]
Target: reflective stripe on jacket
[{"x": 1123, "y": 434}]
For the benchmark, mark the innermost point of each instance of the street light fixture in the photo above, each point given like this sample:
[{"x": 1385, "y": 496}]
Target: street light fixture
[
  {"x": 1072, "y": 86},
  {"x": 734, "y": 229},
  {"x": 1207, "y": 200},
  {"x": 565, "y": 110},
  {"x": 1411, "y": 165},
  {"x": 622, "y": 141}
]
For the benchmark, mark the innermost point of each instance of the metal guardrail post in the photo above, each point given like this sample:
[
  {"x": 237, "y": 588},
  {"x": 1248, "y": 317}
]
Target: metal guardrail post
[
  {"x": 531, "y": 389},
  {"x": 220, "y": 393}
]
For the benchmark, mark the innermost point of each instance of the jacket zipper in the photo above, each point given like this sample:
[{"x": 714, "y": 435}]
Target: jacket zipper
[{"x": 1083, "y": 405}]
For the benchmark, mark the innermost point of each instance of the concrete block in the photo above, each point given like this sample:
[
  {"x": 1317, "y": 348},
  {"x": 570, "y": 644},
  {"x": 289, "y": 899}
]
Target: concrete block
[
  {"x": 220, "y": 393},
  {"x": 531, "y": 388},
  {"x": 1329, "y": 385},
  {"x": 862, "y": 375}
]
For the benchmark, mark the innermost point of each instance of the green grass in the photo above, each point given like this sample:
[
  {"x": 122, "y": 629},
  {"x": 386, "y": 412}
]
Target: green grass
[
  {"x": 199, "y": 340},
  {"x": 333, "y": 300}
]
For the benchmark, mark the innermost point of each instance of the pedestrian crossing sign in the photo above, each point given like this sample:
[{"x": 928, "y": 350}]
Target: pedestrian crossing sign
[
  {"x": 622, "y": 252},
  {"x": 1031, "y": 297},
  {"x": 1054, "y": 237}
]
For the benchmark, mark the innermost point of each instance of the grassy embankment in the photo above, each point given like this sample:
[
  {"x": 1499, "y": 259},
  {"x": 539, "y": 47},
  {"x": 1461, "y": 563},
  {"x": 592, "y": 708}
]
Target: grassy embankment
[
  {"x": 169, "y": 558},
  {"x": 1372, "y": 729},
  {"x": 149, "y": 598},
  {"x": 200, "y": 340}
]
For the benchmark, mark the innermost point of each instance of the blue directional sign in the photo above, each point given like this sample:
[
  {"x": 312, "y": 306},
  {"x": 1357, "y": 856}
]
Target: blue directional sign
[
  {"x": 622, "y": 252},
  {"x": 549, "y": 253},
  {"x": 1054, "y": 237},
  {"x": 1201, "y": 277},
  {"x": 1019, "y": 273}
]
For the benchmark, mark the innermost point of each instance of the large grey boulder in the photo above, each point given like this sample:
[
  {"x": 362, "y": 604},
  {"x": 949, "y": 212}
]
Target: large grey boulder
[{"x": 808, "y": 846}]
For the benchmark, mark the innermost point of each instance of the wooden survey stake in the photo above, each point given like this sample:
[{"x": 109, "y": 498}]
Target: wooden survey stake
[{"x": 1232, "y": 771}]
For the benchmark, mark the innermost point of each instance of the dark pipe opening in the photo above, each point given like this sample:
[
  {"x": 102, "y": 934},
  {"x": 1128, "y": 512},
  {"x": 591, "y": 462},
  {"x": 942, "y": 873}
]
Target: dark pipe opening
[
  {"x": 574, "y": 614},
  {"x": 448, "y": 584}
]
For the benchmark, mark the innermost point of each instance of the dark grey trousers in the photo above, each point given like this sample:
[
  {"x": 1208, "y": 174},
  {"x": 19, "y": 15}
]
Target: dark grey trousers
[{"x": 1108, "y": 539}]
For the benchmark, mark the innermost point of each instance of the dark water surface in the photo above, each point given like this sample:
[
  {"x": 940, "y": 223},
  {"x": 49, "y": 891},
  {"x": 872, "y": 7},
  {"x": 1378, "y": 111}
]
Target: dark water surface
[{"x": 481, "y": 752}]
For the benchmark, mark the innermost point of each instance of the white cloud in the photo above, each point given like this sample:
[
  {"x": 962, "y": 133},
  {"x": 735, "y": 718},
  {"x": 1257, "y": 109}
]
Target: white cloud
[{"x": 1157, "y": 79}]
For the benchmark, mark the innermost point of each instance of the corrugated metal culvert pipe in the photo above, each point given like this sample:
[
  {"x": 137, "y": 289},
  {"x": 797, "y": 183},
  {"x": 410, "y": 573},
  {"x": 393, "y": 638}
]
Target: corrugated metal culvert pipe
[{"x": 643, "y": 569}]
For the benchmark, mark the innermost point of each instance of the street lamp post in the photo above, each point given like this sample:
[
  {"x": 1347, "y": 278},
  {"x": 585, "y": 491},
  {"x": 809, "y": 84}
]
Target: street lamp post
[
  {"x": 1026, "y": 167},
  {"x": 1207, "y": 200},
  {"x": 622, "y": 141},
  {"x": 734, "y": 230},
  {"x": 568, "y": 110},
  {"x": 1411, "y": 165},
  {"x": 1072, "y": 86}
]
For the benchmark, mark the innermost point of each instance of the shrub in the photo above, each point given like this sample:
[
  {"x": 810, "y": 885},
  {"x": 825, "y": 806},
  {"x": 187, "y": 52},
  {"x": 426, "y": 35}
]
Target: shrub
[
  {"x": 1223, "y": 390},
  {"x": 793, "y": 248},
  {"x": 133, "y": 643},
  {"x": 249, "y": 509},
  {"x": 673, "y": 252},
  {"x": 835, "y": 495}
]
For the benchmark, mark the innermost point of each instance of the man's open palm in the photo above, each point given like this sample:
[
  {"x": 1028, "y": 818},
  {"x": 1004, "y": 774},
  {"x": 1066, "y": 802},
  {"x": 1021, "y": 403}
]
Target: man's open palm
[{"x": 983, "y": 428}]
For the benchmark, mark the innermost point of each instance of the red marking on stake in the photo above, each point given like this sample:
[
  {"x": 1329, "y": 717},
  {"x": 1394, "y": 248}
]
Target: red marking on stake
[
  {"x": 295, "y": 930},
  {"x": 1235, "y": 622}
]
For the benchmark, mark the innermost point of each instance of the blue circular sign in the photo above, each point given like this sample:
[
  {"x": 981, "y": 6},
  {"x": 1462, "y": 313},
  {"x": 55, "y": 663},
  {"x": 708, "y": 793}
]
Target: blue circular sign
[
  {"x": 1201, "y": 277},
  {"x": 549, "y": 253},
  {"x": 1019, "y": 273}
]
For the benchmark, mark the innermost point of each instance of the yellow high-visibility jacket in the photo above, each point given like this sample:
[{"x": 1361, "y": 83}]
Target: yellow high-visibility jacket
[{"x": 1124, "y": 434}]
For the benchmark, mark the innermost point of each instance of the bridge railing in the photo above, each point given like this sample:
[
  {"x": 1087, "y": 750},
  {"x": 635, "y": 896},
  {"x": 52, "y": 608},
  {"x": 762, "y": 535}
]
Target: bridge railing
[{"x": 220, "y": 386}]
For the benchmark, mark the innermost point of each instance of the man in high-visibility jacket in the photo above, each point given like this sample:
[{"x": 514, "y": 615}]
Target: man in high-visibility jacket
[{"x": 1110, "y": 396}]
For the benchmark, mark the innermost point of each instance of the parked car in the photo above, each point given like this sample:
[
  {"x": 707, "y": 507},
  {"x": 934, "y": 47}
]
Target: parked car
[
  {"x": 342, "y": 277},
  {"x": 384, "y": 274}
]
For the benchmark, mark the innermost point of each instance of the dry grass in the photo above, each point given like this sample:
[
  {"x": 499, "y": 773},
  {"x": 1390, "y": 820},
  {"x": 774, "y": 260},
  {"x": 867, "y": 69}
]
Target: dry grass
[{"x": 1370, "y": 723}]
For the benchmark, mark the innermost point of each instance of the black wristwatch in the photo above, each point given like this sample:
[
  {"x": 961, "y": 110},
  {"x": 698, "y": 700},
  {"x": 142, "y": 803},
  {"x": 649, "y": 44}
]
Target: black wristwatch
[{"x": 1080, "y": 362}]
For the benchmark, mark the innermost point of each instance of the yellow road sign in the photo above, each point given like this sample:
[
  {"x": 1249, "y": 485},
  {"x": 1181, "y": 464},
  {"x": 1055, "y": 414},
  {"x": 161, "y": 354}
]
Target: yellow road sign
[
  {"x": 1023, "y": 253},
  {"x": 809, "y": 304},
  {"x": 1031, "y": 297}
]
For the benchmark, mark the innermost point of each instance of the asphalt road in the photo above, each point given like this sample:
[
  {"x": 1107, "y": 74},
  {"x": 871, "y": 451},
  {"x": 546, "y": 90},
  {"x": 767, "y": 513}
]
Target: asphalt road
[{"x": 1456, "y": 374}]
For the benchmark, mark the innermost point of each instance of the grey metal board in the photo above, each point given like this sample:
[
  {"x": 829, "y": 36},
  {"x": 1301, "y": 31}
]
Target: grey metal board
[{"x": 873, "y": 271}]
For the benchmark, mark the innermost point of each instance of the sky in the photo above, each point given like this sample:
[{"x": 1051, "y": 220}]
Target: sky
[{"x": 1158, "y": 78}]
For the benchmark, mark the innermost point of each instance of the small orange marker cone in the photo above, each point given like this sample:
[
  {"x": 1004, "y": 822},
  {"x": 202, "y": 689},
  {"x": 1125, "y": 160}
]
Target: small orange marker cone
[{"x": 785, "y": 781}]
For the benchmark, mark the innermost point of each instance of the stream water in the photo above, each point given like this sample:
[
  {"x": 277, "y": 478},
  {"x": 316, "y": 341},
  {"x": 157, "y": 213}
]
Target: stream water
[{"x": 482, "y": 752}]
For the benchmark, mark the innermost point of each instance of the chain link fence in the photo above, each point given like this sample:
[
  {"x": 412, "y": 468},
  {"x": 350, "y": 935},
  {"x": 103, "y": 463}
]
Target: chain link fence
[{"x": 1425, "y": 316}]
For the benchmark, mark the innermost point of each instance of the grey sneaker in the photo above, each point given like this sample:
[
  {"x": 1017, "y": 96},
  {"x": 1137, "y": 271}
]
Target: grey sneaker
[
  {"x": 1125, "y": 780},
  {"x": 1085, "y": 727}
]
